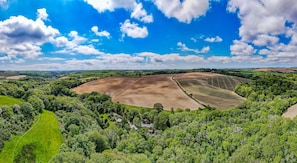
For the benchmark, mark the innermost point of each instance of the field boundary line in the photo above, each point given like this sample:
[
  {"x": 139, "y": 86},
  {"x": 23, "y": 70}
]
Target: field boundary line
[
  {"x": 180, "y": 87},
  {"x": 33, "y": 126}
]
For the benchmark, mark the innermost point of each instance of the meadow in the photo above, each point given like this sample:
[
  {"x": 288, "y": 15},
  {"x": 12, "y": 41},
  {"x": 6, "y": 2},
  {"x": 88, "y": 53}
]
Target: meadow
[
  {"x": 5, "y": 100},
  {"x": 38, "y": 144}
]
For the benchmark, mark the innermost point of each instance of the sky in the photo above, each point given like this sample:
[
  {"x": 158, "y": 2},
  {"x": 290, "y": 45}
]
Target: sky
[{"x": 147, "y": 34}]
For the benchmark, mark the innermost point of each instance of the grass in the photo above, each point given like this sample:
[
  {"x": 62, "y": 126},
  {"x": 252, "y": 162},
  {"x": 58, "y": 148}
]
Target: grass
[
  {"x": 38, "y": 144},
  {"x": 5, "y": 100}
]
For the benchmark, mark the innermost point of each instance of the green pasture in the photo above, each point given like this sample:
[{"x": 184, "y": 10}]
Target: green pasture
[
  {"x": 5, "y": 100},
  {"x": 38, "y": 144}
]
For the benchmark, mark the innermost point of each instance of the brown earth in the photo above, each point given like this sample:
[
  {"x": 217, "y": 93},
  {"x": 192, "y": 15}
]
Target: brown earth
[
  {"x": 291, "y": 112},
  {"x": 144, "y": 91},
  {"x": 195, "y": 75},
  {"x": 281, "y": 70}
]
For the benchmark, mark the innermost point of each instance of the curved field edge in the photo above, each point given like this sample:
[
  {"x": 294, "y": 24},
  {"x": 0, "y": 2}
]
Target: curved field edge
[
  {"x": 5, "y": 100},
  {"x": 44, "y": 136}
]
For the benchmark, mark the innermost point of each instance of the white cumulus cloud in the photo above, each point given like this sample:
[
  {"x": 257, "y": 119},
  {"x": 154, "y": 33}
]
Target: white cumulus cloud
[
  {"x": 213, "y": 39},
  {"x": 241, "y": 48},
  {"x": 140, "y": 14},
  {"x": 183, "y": 47},
  {"x": 75, "y": 44},
  {"x": 263, "y": 23},
  {"x": 136, "y": 8},
  {"x": 111, "y": 5},
  {"x": 100, "y": 34},
  {"x": 133, "y": 30},
  {"x": 22, "y": 37},
  {"x": 183, "y": 11},
  {"x": 41, "y": 14}
]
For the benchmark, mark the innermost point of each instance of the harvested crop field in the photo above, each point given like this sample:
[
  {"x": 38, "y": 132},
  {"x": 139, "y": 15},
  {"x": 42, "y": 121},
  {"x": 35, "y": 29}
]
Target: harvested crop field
[
  {"x": 144, "y": 91},
  {"x": 212, "y": 89}
]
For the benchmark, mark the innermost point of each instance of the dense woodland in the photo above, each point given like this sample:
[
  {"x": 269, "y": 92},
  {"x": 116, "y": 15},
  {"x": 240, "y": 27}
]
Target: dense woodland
[{"x": 97, "y": 130}]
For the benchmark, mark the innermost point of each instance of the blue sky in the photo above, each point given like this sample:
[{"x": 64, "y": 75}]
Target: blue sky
[{"x": 147, "y": 34}]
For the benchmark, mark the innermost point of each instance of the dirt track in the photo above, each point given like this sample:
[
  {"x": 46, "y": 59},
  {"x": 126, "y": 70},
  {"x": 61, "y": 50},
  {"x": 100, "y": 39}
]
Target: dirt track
[{"x": 144, "y": 91}]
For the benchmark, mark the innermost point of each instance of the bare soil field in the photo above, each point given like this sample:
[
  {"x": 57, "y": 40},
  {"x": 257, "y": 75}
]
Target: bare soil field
[
  {"x": 291, "y": 112},
  {"x": 144, "y": 91},
  {"x": 210, "y": 95},
  {"x": 16, "y": 77},
  {"x": 211, "y": 89},
  {"x": 281, "y": 70}
]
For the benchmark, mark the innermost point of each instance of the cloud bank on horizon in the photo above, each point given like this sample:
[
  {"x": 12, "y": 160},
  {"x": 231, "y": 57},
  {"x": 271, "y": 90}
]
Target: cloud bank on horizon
[{"x": 142, "y": 34}]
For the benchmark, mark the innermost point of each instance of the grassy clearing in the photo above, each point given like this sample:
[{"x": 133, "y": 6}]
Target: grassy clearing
[
  {"x": 38, "y": 144},
  {"x": 5, "y": 100}
]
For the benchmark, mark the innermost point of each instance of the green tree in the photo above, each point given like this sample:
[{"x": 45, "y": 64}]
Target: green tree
[
  {"x": 27, "y": 110},
  {"x": 99, "y": 140},
  {"x": 72, "y": 157},
  {"x": 158, "y": 106},
  {"x": 36, "y": 102},
  {"x": 161, "y": 121}
]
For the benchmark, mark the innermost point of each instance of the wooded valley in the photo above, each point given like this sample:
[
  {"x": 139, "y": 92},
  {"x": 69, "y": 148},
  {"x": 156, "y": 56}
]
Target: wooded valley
[{"x": 90, "y": 127}]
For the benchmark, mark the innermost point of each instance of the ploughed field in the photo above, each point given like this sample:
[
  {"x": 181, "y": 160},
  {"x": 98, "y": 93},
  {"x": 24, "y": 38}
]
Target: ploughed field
[
  {"x": 211, "y": 89},
  {"x": 143, "y": 91},
  {"x": 188, "y": 90}
]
